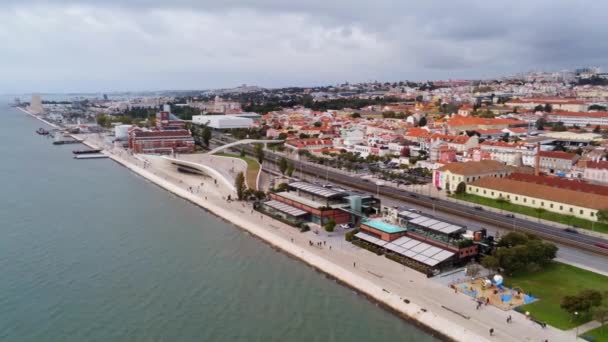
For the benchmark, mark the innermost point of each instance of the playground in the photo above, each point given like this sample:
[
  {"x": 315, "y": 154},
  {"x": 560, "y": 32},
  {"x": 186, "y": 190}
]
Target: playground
[{"x": 493, "y": 292}]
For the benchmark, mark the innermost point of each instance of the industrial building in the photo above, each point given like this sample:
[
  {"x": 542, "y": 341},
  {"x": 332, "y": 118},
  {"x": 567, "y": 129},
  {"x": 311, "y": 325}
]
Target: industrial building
[{"x": 304, "y": 202}]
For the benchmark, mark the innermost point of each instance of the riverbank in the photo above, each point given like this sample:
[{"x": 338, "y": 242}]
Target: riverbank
[
  {"x": 405, "y": 292},
  {"x": 38, "y": 118}
]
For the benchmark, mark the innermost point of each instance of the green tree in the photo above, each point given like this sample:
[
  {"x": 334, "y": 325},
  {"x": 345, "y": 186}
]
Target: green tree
[
  {"x": 206, "y": 135},
  {"x": 283, "y": 165},
  {"x": 259, "y": 153},
  {"x": 355, "y": 115},
  {"x": 318, "y": 124},
  {"x": 548, "y": 108},
  {"x": 104, "y": 120},
  {"x": 330, "y": 225},
  {"x": 422, "y": 121},
  {"x": 490, "y": 262},
  {"x": 600, "y": 314},
  {"x": 242, "y": 152},
  {"x": 282, "y": 136},
  {"x": 602, "y": 215},
  {"x": 289, "y": 170},
  {"x": 461, "y": 188},
  {"x": 540, "y": 124},
  {"x": 597, "y": 129},
  {"x": 473, "y": 270},
  {"x": 239, "y": 184}
]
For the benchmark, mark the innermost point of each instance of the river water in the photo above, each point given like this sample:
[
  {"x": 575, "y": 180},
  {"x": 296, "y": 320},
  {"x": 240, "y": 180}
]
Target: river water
[{"x": 91, "y": 252}]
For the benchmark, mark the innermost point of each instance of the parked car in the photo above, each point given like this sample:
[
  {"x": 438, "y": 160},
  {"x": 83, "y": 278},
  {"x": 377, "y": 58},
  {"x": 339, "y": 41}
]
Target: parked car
[
  {"x": 347, "y": 226},
  {"x": 510, "y": 215},
  {"x": 571, "y": 230},
  {"x": 478, "y": 208}
]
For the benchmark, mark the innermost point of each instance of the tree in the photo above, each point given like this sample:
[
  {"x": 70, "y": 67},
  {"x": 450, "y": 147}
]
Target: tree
[
  {"x": 355, "y": 115},
  {"x": 582, "y": 302},
  {"x": 239, "y": 184},
  {"x": 600, "y": 314},
  {"x": 602, "y": 215},
  {"x": 289, "y": 170},
  {"x": 283, "y": 165},
  {"x": 490, "y": 262},
  {"x": 206, "y": 135},
  {"x": 318, "y": 124},
  {"x": 330, "y": 225},
  {"x": 539, "y": 108},
  {"x": 282, "y": 136},
  {"x": 548, "y": 108},
  {"x": 540, "y": 124},
  {"x": 461, "y": 188},
  {"x": 103, "y": 120},
  {"x": 422, "y": 121},
  {"x": 597, "y": 129},
  {"x": 539, "y": 212},
  {"x": 242, "y": 152},
  {"x": 473, "y": 270},
  {"x": 259, "y": 153}
]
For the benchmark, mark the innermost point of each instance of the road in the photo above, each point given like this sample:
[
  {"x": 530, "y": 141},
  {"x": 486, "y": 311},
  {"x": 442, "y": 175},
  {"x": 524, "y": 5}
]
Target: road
[{"x": 547, "y": 232}]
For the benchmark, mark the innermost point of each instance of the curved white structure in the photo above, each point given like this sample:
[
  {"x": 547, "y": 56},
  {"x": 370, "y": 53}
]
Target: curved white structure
[
  {"x": 204, "y": 168},
  {"x": 243, "y": 142}
]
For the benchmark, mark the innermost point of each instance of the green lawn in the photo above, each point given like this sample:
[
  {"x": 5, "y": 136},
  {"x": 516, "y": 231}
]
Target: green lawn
[
  {"x": 599, "y": 334},
  {"x": 253, "y": 168},
  {"x": 550, "y": 285},
  {"x": 520, "y": 209}
]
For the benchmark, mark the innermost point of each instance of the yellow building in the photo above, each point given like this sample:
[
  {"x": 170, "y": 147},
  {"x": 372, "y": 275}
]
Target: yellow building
[{"x": 553, "y": 199}]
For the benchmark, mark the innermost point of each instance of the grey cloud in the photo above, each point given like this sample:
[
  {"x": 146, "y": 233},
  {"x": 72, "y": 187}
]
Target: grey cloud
[{"x": 196, "y": 44}]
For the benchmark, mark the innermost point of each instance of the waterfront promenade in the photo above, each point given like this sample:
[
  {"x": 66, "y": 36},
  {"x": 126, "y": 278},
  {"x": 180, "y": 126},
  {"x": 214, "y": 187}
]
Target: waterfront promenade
[{"x": 408, "y": 292}]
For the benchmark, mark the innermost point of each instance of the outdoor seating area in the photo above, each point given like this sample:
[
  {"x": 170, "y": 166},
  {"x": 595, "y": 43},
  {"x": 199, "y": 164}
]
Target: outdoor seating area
[{"x": 493, "y": 293}]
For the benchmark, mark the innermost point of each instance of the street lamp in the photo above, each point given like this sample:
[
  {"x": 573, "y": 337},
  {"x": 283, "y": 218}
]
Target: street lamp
[
  {"x": 575, "y": 317},
  {"x": 378, "y": 184}
]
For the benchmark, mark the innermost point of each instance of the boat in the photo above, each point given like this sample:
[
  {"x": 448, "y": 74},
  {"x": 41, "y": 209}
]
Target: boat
[
  {"x": 42, "y": 131},
  {"x": 86, "y": 151}
]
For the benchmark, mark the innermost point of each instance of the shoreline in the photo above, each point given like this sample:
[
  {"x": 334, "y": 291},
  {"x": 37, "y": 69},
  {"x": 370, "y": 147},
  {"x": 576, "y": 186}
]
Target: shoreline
[
  {"x": 38, "y": 118},
  {"x": 433, "y": 324},
  {"x": 433, "y": 321}
]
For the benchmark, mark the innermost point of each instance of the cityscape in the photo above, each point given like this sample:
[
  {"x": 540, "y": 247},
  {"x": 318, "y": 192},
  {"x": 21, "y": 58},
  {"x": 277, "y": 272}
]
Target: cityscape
[{"x": 338, "y": 171}]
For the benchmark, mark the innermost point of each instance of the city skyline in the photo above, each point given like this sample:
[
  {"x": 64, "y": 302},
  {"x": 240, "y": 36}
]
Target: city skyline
[{"x": 95, "y": 46}]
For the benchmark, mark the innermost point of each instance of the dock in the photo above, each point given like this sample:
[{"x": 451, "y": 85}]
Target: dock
[{"x": 90, "y": 156}]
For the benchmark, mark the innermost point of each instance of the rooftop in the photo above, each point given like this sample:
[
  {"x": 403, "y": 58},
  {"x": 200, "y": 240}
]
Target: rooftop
[
  {"x": 385, "y": 227},
  {"x": 546, "y": 192},
  {"x": 475, "y": 168}
]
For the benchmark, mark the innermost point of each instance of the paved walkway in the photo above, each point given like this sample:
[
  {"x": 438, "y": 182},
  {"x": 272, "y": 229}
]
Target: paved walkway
[{"x": 408, "y": 291}]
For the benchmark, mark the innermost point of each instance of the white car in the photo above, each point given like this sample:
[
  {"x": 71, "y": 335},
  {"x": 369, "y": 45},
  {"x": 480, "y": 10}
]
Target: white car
[{"x": 347, "y": 226}]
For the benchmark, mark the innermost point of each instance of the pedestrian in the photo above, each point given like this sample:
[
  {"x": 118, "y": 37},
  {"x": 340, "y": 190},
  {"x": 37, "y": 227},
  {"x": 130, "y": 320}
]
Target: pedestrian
[
  {"x": 478, "y": 305},
  {"x": 330, "y": 247},
  {"x": 323, "y": 243},
  {"x": 354, "y": 264},
  {"x": 491, "y": 331}
]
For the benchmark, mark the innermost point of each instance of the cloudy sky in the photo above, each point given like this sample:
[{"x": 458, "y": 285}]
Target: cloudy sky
[{"x": 112, "y": 45}]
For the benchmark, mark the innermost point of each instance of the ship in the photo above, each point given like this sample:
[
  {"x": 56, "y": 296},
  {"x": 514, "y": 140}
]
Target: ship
[
  {"x": 86, "y": 151},
  {"x": 42, "y": 131}
]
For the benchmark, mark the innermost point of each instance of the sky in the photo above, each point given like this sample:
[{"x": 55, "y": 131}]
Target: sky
[{"x": 120, "y": 45}]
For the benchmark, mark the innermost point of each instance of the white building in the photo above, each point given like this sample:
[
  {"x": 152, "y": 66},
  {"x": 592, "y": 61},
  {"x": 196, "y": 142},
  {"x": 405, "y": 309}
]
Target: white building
[
  {"x": 222, "y": 121},
  {"x": 580, "y": 119}
]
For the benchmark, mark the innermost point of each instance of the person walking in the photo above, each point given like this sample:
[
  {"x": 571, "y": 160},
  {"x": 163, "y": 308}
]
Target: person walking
[{"x": 491, "y": 331}]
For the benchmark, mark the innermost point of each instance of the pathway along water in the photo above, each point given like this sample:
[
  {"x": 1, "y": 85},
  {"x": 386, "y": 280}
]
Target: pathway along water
[{"x": 89, "y": 251}]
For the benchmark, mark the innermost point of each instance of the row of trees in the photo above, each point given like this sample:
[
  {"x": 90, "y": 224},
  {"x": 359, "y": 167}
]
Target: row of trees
[
  {"x": 520, "y": 252},
  {"x": 587, "y": 302},
  {"x": 286, "y": 167}
]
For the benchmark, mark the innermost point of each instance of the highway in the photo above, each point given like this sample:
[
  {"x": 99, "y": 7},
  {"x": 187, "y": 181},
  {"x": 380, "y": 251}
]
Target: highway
[{"x": 581, "y": 241}]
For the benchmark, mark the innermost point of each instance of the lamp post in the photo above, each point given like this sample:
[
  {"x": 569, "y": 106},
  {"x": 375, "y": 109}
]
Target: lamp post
[{"x": 575, "y": 317}]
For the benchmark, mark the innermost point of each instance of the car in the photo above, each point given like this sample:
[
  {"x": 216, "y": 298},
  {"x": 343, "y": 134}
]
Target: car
[
  {"x": 510, "y": 215},
  {"x": 602, "y": 245},
  {"x": 478, "y": 208},
  {"x": 347, "y": 226},
  {"x": 414, "y": 195},
  {"x": 571, "y": 230}
]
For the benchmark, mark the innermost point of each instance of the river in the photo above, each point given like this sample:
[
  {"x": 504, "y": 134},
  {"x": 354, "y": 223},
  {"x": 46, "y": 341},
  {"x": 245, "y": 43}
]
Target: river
[{"x": 91, "y": 252}]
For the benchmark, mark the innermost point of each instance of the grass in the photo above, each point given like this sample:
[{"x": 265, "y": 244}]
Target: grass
[
  {"x": 599, "y": 334},
  {"x": 550, "y": 285},
  {"x": 529, "y": 211},
  {"x": 253, "y": 168}
]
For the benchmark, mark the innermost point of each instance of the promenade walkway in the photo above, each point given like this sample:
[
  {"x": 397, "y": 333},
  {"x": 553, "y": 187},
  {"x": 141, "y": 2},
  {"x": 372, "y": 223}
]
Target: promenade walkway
[{"x": 399, "y": 287}]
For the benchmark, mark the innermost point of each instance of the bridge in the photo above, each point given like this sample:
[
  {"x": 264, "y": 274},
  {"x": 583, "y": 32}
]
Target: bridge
[{"x": 243, "y": 142}]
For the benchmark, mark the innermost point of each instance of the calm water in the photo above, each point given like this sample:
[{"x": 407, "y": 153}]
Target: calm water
[{"x": 90, "y": 252}]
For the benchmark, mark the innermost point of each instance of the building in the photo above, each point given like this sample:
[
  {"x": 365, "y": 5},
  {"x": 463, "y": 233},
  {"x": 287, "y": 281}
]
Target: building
[
  {"x": 304, "y": 202},
  {"x": 580, "y": 119},
  {"x": 309, "y": 144},
  {"x": 449, "y": 176},
  {"x": 548, "y": 197},
  {"x": 595, "y": 171},
  {"x": 165, "y": 120},
  {"x": 163, "y": 142},
  {"x": 564, "y": 104},
  {"x": 458, "y": 124},
  {"x": 557, "y": 162},
  {"x": 223, "y": 121},
  {"x": 382, "y": 230},
  {"x": 35, "y": 106}
]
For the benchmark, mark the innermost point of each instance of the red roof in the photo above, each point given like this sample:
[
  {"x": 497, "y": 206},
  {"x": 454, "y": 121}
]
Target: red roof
[
  {"x": 561, "y": 183},
  {"x": 473, "y": 121},
  {"x": 580, "y": 114},
  {"x": 558, "y": 155}
]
